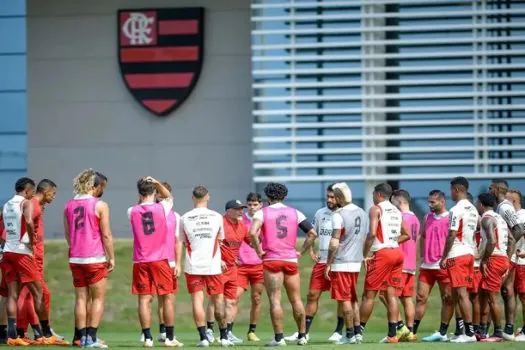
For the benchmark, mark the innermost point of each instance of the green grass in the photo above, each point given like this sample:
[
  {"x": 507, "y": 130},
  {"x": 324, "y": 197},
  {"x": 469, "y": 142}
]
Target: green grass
[{"x": 120, "y": 327}]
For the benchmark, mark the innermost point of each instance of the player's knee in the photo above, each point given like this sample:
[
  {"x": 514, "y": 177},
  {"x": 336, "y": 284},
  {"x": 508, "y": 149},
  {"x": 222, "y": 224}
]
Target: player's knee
[
  {"x": 256, "y": 299},
  {"x": 446, "y": 299},
  {"x": 522, "y": 298},
  {"x": 312, "y": 296},
  {"x": 421, "y": 298},
  {"x": 507, "y": 292}
]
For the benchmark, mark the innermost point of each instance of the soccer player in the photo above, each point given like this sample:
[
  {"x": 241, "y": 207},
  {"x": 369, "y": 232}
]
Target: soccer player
[
  {"x": 250, "y": 270},
  {"x": 235, "y": 232},
  {"x": 3, "y": 287},
  {"x": 505, "y": 208},
  {"x": 202, "y": 233},
  {"x": 19, "y": 263},
  {"x": 318, "y": 283},
  {"x": 345, "y": 255},
  {"x": 401, "y": 200},
  {"x": 385, "y": 267},
  {"x": 518, "y": 259},
  {"x": 45, "y": 194},
  {"x": 152, "y": 274},
  {"x": 432, "y": 243},
  {"x": 91, "y": 255},
  {"x": 459, "y": 251},
  {"x": 498, "y": 246},
  {"x": 278, "y": 225}
]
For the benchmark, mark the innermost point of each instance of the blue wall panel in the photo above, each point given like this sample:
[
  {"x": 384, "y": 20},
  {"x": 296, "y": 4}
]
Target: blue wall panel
[{"x": 13, "y": 97}]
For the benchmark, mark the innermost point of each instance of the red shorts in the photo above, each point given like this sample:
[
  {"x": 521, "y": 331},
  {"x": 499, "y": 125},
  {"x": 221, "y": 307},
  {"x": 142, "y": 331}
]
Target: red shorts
[
  {"x": 229, "y": 283},
  {"x": 152, "y": 278},
  {"x": 286, "y": 267},
  {"x": 20, "y": 268},
  {"x": 461, "y": 271},
  {"x": 431, "y": 276},
  {"x": 212, "y": 283},
  {"x": 476, "y": 281},
  {"x": 88, "y": 274},
  {"x": 407, "y": 290},
  {"x": 249, "y": 275},
  {"x": 317, "y": 280},
  {"x": 497, "y": 266},
  {"x": 344, "y": 285},
  {"x": 519, "y": 281},
  {"x": 175, "y": 283},
  {"x": 384, "y": 270}
]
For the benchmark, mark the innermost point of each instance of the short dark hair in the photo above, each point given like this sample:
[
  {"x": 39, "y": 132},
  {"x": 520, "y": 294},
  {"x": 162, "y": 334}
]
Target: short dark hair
[
  {"x": 487, "y": 200},
  {"x": 22, "y": 183},
  {"x": 253, "y": 197},
  {"x": 438, "y": 193},
  {"x": 45, "y": 184},
  {"x": 470, "y": 197},
  {"x": 403, "y": 194},
  {"x": 518, "y": 192},
  {"x": 385, "y": 189},
  {"x": 501, "y": 182},
  {"x": 99, "y": 178},
  {"x": 145, "y": 187},
  {"x": 167, "y": 185},
  {"x": 199, "y": 192},
  {"x": 276, "y": 191},
  {"x": 330, "y": 188},
  {"x": 460, "y": 181}
]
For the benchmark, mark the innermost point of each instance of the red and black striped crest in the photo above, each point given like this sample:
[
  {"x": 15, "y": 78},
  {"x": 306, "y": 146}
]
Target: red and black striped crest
[{"x": 160, "y": 54}]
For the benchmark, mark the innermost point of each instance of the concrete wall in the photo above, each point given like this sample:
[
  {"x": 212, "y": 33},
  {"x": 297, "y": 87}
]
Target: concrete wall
[
  {"x": 81, "y": 115},
  {"x": 13, "y": 138}
]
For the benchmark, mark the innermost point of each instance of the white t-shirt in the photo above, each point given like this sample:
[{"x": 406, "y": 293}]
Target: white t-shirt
[
  {"x": 463, "y": 220},
  {"x": 323, "y": 226},
  {"x": 520, "y": 244},
  {"x": 201, "y": 231}
]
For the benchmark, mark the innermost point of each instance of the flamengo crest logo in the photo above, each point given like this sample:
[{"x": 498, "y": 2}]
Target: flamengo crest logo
[{"x": 160, "y": 53}]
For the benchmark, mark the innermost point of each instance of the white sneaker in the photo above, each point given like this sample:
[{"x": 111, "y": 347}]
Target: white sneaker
[
  {"x": 162, "y": 337},
  {"x": 148, "y": 343},
  {"x": 276, "y": 343},
  {"x": 464, "y": 339},
  {"x": 203, "y": 344},
  {"x": 335, "y": 337},
  {"x": 358, "y": 338},
  {"x": 210, "y": 336},
  {"x": 173, "y": 343},
  {"x": 293, "y": 337},
  {"x": 302, "y": 341},
  {"x": 233, "y": 338},
  {"x": 508, "y": 337},
  {"x": 520, "y": 337},
  {"x": 225, "y": 343}
]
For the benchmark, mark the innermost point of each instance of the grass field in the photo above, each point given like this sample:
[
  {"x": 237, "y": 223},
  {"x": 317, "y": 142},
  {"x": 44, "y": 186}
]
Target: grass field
[{"x": 121, "y": 328}]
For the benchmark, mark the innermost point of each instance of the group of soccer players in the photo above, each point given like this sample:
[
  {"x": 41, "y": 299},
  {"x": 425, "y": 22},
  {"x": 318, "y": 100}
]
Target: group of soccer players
[{"x": 474, "y": 251}]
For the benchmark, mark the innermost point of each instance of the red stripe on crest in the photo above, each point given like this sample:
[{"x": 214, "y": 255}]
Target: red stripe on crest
[
  {"x": 179, "y": 27},
  {"x": 159, "y": 80},
  {"x": 159, "y": 54},
  {"x": 159, "y": 106}
]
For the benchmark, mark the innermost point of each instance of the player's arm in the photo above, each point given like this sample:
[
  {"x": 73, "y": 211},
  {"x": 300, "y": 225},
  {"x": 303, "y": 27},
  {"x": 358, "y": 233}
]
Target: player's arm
[
  {"x": 254, "y": 237},
  {"x": 311, "y": 235},
  {"x": 511, "y": 245},
  {"x": 2, "y": 228},
  {"x": 405, "y": 235},
  {"x": 374, "y": 214},
  {"x": 422, "y": 236},
  {"x": 66, "y": 230},
  {"x": 511, "y": 218},
  {"x": 163, "y": 191},
  {"x": 333, "y": 246},
  {"x": 27, "y": 212},
  {"x": 452, "y": 233},
  {"x": 105, "y": 229},
  {"x": 488, "y": 226}
]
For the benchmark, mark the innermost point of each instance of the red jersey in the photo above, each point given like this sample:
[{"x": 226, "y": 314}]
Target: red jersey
[
  {"x": 38, "y": 242},
  {"x": 234, "y": 235}
]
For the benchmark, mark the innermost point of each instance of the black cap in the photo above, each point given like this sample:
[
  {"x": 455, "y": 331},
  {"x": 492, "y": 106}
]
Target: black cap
[{"x": 234, "y": 204}]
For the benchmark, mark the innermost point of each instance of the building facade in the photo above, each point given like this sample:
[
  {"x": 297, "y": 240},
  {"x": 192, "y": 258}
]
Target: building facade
[{"x": 305, "y": 92}]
